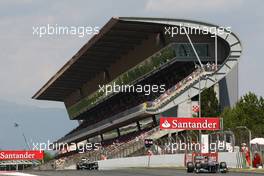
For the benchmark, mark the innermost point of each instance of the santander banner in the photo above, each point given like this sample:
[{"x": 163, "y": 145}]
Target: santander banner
[
  {"x": 21, "y": 155},
  {"x": 175, "y": 123}
]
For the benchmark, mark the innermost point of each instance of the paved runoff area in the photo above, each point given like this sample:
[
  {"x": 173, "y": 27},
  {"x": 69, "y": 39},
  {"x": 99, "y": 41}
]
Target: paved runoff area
[{"x": 124, "y": 172}]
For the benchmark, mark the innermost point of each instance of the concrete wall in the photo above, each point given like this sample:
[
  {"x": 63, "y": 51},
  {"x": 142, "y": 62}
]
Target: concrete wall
[
  {"x": 173, "y": 160},
  {"x": 143, "y": 161},
  {"x": 230, "y": 158},
  {"x": 228, "y": 89},
  {"x": 233, "y": 160}
]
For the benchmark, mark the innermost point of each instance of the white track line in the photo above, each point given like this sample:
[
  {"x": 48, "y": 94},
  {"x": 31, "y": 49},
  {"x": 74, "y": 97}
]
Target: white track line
[{"x": 15, "y": 174}]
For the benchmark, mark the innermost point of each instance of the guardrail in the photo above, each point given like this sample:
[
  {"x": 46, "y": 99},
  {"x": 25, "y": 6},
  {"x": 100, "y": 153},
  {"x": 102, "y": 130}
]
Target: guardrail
[{"x": 174, "y": 91}]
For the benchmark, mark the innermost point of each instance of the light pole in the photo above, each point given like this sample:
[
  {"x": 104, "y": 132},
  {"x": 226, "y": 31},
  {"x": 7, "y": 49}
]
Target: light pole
[
  {"x": 215, "y": 51},
  {"x": 199, "y": 97},
  {"x": 24, "y": 137},
  {"x": 201, "y": 70},
  {"x": 249, "y": 139}
]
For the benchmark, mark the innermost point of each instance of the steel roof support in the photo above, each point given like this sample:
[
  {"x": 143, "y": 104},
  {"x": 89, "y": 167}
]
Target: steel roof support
[{"x": 194, "y": 50}]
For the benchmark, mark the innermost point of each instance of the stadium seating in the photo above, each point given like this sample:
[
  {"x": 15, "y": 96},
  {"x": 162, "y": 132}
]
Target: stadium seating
[{"x": 123, "y": 101}]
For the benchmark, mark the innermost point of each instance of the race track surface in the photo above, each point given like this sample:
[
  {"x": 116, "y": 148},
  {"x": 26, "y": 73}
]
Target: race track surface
[{"x": 130, "y": 172}]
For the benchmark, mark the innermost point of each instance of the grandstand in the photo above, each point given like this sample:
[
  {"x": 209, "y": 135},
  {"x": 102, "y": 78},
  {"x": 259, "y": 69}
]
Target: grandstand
[{"x": 137, "y": 51}]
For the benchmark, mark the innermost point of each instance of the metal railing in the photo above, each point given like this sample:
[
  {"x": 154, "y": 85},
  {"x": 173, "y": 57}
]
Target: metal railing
[{"x": 174, "y": 91}]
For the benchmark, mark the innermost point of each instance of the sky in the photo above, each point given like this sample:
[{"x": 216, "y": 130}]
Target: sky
[
  {"x": 39, "y": 125},
  {"x": 28, "y": 61}
]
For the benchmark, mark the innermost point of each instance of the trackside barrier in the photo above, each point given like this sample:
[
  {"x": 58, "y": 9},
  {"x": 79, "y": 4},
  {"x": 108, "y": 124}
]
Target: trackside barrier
[
  {"x": 241, "y": 160},
  {"x": 173, "y": 160},
  {"x": 233, "y": 160},
  {"x": 143, "y": 161}
]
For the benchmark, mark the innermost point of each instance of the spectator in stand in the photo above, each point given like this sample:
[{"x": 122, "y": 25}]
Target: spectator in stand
[
  {"x": 214, "y": 67},
  {"x": 103, "y": 157},
  {"x": 208, "y": 65},
  {"x": 137, "y": 139},
  {"x": 190, "y": 78}
]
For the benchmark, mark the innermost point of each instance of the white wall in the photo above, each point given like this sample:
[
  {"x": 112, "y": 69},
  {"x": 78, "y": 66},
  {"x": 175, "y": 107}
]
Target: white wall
[
  {"x": 175, "y": 160},
  {"x": 231, "y": 159},
  {"x": 142, "y": 161}
]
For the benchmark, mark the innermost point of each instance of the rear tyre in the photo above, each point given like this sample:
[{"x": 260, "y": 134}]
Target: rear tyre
[
  {"x": 223, "y": 167},
  {"x": 190, "y": 167},
  {"x": 198, "y": 166}
]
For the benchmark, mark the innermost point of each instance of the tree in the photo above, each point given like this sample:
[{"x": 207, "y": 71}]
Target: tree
[
  {"x": 209, "y": 103},
  {"x": 249, "y": 112}
]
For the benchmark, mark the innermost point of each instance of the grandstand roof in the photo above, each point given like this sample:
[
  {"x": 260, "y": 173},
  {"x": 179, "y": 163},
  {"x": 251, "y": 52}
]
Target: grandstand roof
[{"x": 117, "y": 37}]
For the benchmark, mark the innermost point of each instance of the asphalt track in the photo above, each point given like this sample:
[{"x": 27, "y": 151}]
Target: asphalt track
[{"x": 132, "y": 172}]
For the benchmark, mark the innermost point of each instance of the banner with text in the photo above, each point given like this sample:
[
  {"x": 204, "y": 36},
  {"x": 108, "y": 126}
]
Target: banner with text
[
  {"x": 175, "y": 123},
  {"x": 21, "y": 155}
]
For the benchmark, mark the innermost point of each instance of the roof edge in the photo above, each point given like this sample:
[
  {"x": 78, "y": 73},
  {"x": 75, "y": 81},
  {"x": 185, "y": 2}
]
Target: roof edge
[{"x": 74, "y": 58}]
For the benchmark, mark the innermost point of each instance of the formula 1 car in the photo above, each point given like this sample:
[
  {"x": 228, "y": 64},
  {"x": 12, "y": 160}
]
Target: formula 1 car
[
  {"x": 205, "y": 164},
  {"x": 85, "y": 164}
]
